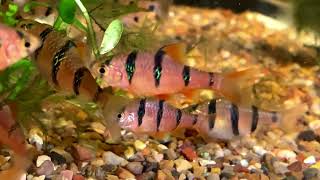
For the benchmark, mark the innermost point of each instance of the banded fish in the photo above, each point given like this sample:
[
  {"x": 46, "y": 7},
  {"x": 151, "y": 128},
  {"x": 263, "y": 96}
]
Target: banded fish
[
  {"x": 15, "y": 44},
  {"x": 223, "y": 120},
  {"x": 162, "y": 73}
]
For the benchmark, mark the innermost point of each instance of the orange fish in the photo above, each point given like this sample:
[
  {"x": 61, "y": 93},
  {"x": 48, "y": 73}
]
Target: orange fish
[{"x": 15, "y": 44}]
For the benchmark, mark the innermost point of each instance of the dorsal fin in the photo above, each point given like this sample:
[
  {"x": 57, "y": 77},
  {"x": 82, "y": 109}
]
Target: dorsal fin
[{"x": 176, "y": 51}]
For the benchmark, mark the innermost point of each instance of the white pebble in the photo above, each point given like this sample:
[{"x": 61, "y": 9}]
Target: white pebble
[
  {"x": 162, "y": 147},
  {"x": 287, "y": 154},
  {"x": 259, "y": 150},
  {"x": 41, "y": 159},
  {"x": 111, "y": 158},
  {"x": 204, "y": 162},
  {"x": 310, "y": 160},
  {"x": 182, "y": 165},
  {"x": 314, "y": 124},
  {"x": 39, "y": 177},
  {"x": 37, "y": 140},
  {"x": 244, "y": 163},
  {"x": 219, "y": 153}
]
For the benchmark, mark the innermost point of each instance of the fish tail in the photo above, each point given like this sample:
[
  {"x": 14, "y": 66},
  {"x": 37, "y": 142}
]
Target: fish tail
[
  {"x": 289, "y": 117},
  {"x": 19, "y": 167},
  {"x": 237, "y": 86}
]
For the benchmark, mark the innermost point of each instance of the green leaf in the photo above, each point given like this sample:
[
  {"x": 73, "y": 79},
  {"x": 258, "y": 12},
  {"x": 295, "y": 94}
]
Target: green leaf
[
  {"x": 27, "y": 8},
  {"x": 13, "y": 9},
  {"x": 67, "y": 10},
  {"x": 112, "y": 36}
]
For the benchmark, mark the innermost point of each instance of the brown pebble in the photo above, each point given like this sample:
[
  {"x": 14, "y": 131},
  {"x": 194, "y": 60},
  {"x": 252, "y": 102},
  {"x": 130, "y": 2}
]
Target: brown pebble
[
  {"x": 135, "y": 167},
  {"x": 125, "y": 174},
  {"x": 239, "y": 168},
  {"x": 166, "y": 164},
  {"x": 189, "y": 153},
  {"x": 171, "y": 154},
  {"x": 46, "y": 168},
  {"x": 78, "y": 177},
  {"x": 83, "y": 153},
  {"x": 296, "y": 166}
]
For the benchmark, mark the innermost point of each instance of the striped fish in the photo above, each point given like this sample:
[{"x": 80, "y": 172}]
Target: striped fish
[
  {"x": 15, "y": 44},
  {"x": 221, "y": 120},
  {"x": 160, "y": 73}
]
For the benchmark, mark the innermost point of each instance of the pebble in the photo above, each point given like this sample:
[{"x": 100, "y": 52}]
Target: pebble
[
  {"x": 311, "y": 173},
  {"x": 189, "y": 153},
  {"x": 66, "y": 175},
  {"x": 125, "y": 174},
  {"x": 205, "y": 162},
  {"x": 219, "y": 153},
  {"x": 296, "y": 166},
  {"x": 162, "y": 147},
  {"x": 259, "y": 150},
  {"x": 316, "y": 165},
  {"x": 280, "y": 167},
  {"x": 308, "y": 135},
  {"x": 139, "y": 145},
  {"x": 98, "y": 127},
  {"x": 182, "y": 165},
  {"x": 135, "y": 167},
  {"x": 42, "y": 159},
  {"x": 111, "y": 158},
  {"x": 171, "y": 154},
  {"x": 314, "y": 124},
  {"x": 310, "y": 160},
  {"x": 36, "y": 140},
  {"x": 46, "y": 168},
  {"x": 112, "y": 177},
  {"x": 83, "y": 153},
  {"x": 213, "y": 176},
  {"x": 39, "y": 177},
  {"x": 166, "y": 164},
  {"x": 57, "y": 158},
  {"x": 244, "y": 163},
  {"x": 78, "y": 177},
  {"x": 129, "y": 152},
  {"x": 287, "y": 154}
]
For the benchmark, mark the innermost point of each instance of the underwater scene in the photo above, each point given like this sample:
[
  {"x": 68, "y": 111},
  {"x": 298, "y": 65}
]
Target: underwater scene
[{"x": 159, "y": 89}]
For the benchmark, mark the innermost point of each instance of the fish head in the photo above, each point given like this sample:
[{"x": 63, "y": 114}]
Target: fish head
[
  {"x": 33, "y": 27},
  {"x": 107, "y": 74}
]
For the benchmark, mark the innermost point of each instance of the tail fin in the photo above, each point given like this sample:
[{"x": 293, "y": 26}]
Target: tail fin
[
  {"x": 16, "y": 171},
  {"x": 289, "y": 117},
  {"x": 237, "y": 86}
]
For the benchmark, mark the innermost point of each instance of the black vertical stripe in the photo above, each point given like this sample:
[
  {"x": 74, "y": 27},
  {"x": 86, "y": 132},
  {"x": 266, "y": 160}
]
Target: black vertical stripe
[
  {"x": 194, "y": 119},
  {"x": 141, "y": 111},
  {"x": 274, "y": 117},
  {"x": 96, "y": 95},
  {"x": 255, "y": 118},
  {"x": 58, "y": 57},
  {"x": 186, "y": 75},
  {"x": 157, "y": 69},
  {"x": 211, "y": 80},
  {"x": 77, "y": 79},
  {"x": 211, "y": 113},
  {"x": 131, "y": 65},
  {"x": 234, "y": 116},
  {"x": 178, "y": 117},
  {"x": 159, "y": 114},
  {"x": 43, "y": 35}
]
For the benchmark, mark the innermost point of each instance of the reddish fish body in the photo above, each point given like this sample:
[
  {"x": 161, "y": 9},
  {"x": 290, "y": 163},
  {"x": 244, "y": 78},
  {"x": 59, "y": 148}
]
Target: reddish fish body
[
  {"x": 14, "y": 45},
  {"x": 218, "y": 120}
]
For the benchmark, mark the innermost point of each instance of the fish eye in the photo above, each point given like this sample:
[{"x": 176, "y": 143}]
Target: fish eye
[
  {"x": 136, "y": 19},
  {"x": 119, "y": 115},
  {"x": 151, "y": 7},
  {"x": 102, "y": 70},
  {"x": 27, "y": 44}
]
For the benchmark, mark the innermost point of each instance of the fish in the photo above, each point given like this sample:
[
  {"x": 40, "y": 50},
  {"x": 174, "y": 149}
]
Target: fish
[
  {"x": 162, "y": 73},
  {"x": 15, "y": 44},
  {"x": 12, "y": 136},
  {"x": 219, "y": 119}
]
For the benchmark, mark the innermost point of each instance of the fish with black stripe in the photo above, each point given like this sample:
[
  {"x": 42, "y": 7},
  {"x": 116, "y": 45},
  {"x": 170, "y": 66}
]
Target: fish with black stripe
[
  {"x": 161, "y": 74},
  {"x": 217, "y": 119}
]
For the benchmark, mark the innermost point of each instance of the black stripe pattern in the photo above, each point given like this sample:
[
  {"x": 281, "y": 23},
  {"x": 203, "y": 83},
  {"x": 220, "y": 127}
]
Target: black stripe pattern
[
  {"x": 141, "y": 111},
  {"x": 211, "y": 80},
  {"x": 77, "y": 79},
  {"x": 255, "y": 118},
  {"x": 211, "y": 113},
  {"x": 234, "y": 116},
  {"x": 157, "y": 69},
  {"x": 159, "y": 114},
  {"x": 131, "y": 65},
  {"x": 43, "y": 35},
  {"x": 186, "y": 75},
  {"x": 96, "y": 95},
  {"x": 274, "y": 117},
  {"x": 194, "y": 119},
  {"x": 57, "y": 59},
  {"x": 178, "y": 117}
]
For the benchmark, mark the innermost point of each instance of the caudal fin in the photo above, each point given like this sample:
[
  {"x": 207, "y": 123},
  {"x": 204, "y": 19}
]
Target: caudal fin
[
  {"x": 16, "y": 171},
  {"x": 237, "y": 86},
  {"x": 289, "y": 117}
]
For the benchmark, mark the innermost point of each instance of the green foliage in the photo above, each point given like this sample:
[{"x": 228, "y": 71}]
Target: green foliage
[
  {"x": 9, "y": 16},
  {"x": 306, "y": 14},
  {"x": 112, "y": 36},
  {"x": 67, "y": 10},
  {"x": 31, "y": 4}
]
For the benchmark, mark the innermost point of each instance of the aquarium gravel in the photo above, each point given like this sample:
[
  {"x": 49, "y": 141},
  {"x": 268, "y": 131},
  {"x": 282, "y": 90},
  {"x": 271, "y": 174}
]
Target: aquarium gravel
[{"x": 76, "y": 149}]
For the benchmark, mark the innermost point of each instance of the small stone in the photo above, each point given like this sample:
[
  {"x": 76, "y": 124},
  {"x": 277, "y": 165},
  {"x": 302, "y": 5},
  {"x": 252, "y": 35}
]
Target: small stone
[
  {"x": 139, "y": 145},
  {"x": 189, "y": 153},
  {"x": 83, "y": 153},
  {"x": 204, "y": 162},
  {"x": 287, "y": 154},
  {"x": 311, "y": 173},
  {"x": 308, "y": 135},
  {"x": 39, "y": 177},
  {"x": 151, "y": 166},
  {"x": 182, "y": 177},
  {"x": 129, "y": 152},
  {"x": 157, "y": 156},
  {"x": 166, "y": 164},
  {"x": 57, "y": 158},
  {"x": 171, "y": 154},
  {"x": 213, "y": 177},
  {"x": 296, "y": 166},
  {"x": 98, "y": 127},
  {"x": 124, "y": 174},
  {"x": 66, "y": 175},
  {"x": 111, "y": 158},
  {"x": 162, "y": 147},
  {"x": 259, "y": 150},
  {"x": 46, "y": 168},
  {"x": 316, "y": 165},
  {"x": 42, "y": 159},
  {"x": 280, "y": 167},
  {"x": 314, "y": 124},
  {"x": 182, "y": 165},
  {"x": 135, "y": 167},
  {"x": 147, "y": 175},
  {"x": 112, "y": 177},
  {"x": 37, "y": 140},
  {"x": 310, "y": 160},
  {"x": 97, "y": 162},
  {"x": 219, "y": 153},
  {"x": 244, "y": 163}
]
